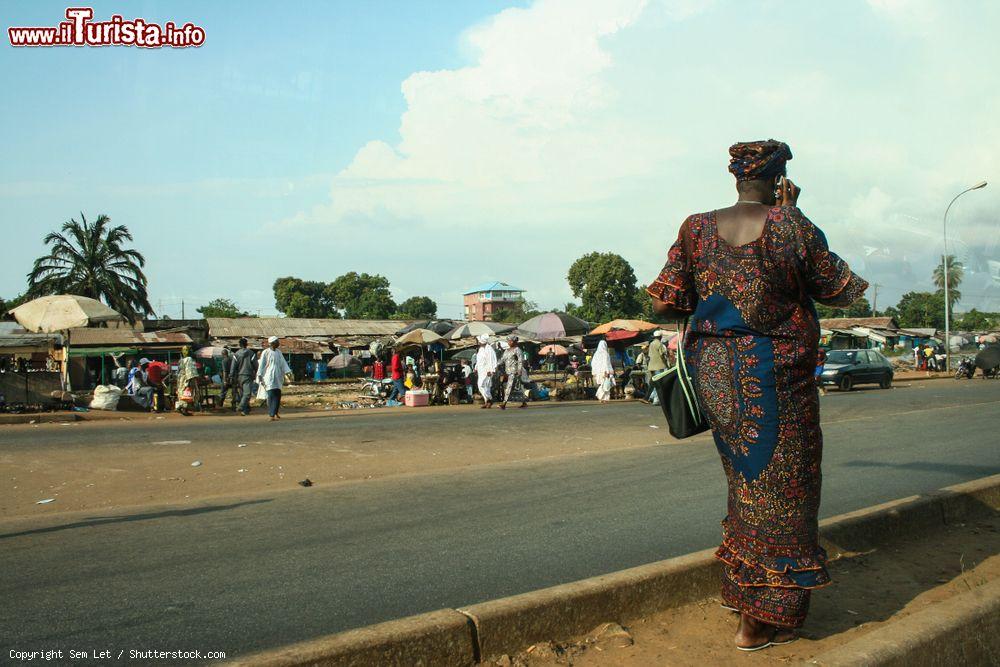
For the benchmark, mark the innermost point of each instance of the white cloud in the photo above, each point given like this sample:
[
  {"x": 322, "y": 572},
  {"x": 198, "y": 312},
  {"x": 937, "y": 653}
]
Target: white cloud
[{"x": 585, "y": 125}]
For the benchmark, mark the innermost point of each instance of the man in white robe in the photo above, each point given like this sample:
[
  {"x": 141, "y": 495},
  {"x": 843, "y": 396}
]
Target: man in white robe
[
  {"x": 486, "y": 365},
  {"x": 271, "y": 372}
]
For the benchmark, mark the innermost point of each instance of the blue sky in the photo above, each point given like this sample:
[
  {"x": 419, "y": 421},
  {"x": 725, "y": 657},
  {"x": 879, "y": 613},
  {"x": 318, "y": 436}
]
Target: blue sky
[{"x": 444, "y": 144}]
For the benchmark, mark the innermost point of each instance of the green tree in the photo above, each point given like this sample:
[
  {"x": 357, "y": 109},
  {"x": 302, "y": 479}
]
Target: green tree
[
  {"x": 976, "y": 321},
  {"x": 417, "y": 308},
  {"x": 304, "y": 298},
  {"x": 956, "y": 271},
  {"x": 6, "y": 305},
  {"x": 860, "y": 308},
  {"x": 606, "y": 286},
  {"x": 222, "y": 308},
  {"x": 921, "y": 309},
  {"x": 91, "y": 260},
  {"x": 362, "y": 296},
  {"x": 522, "y": 310}
]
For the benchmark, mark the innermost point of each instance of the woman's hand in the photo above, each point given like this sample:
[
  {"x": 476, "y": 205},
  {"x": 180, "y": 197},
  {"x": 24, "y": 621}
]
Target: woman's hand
[{"x": 788, "y": 192}]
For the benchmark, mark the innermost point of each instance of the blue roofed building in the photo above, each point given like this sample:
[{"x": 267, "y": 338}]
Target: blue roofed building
[{"x": 482, "y": 301}]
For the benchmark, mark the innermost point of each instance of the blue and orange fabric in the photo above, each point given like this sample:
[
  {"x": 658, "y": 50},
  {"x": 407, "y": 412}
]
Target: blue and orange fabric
[
  {"x": 753, "y": 160},
  {"x": 752, "y": 350}
]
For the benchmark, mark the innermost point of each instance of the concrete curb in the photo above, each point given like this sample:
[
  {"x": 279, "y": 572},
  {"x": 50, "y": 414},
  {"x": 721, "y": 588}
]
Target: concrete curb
[
  {"x": 969, "y": 621},
  {"x": 511, "y": 624}
]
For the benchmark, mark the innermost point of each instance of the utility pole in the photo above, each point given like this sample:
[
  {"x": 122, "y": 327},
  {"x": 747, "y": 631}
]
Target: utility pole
[
  {"x": 182, "y": 310},
  {"x": 875, "y": 299}
]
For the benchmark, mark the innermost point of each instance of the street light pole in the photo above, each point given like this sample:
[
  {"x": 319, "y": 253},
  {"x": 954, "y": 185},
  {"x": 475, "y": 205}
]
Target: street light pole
[{"x": 947, "y": 295}]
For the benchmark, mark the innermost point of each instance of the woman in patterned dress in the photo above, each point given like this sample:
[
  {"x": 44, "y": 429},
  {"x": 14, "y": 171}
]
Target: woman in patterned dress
[
  {"x": 747, "y": 276},
  {"x": 512, "y": 361}
]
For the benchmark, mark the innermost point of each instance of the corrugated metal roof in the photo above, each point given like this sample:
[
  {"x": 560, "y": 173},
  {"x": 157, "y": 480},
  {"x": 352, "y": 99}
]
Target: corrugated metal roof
[
  {"x": 495, "y": 286},
  {"x": 293, "y": 327},
  {"x": 870, "y": 322},
  {"x": 100, "y": 336},
  {"x": 13, "y": 335}
]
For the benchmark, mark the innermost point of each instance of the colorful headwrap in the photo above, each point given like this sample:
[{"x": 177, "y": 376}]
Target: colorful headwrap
[{"x": 754, "y": 160}]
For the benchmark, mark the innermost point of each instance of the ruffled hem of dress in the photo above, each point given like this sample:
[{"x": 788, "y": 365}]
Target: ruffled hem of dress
[
  {"x": 807, "y": 571},
  {"x": 852, "y": 289}
]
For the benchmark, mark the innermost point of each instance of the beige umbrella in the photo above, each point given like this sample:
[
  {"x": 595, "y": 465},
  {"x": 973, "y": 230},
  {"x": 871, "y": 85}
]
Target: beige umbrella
[
  {"x": 62, "y": 312},
  {"x": 421, "y": 337},
  {"x": 49, "y": 314}
]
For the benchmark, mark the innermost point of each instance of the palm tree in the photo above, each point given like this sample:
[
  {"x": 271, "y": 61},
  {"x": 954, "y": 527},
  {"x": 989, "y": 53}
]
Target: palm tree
[
  {"x": 956, "y": 271},
  {"x": 89, "y": 260}
]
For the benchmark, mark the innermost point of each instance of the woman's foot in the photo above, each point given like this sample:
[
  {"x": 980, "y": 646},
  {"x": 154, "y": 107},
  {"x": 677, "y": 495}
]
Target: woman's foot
[
  {"x": 503, "y": 406},
  {"x": 754, "y": 635},
  {"x": 274, "y": 419},
  {"x": 523, "y": 405}
]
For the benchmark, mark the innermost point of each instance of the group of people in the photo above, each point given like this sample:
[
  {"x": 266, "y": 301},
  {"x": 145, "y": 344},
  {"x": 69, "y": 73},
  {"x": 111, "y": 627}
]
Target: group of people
[
  {"x": 926, "y": 358},
  {"x": 243, "y": 374}
]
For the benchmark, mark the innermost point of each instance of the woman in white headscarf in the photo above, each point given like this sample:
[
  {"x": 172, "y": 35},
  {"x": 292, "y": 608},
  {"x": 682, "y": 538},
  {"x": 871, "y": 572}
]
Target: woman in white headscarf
[
  {"x": 603, "y": 372},
  {"x": 486, "y": 365}
]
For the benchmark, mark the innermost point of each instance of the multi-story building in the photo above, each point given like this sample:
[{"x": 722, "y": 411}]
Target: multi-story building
[{"x": 483, "y": 301}]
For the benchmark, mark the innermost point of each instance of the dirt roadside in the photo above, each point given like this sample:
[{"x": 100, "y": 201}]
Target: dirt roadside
[{"x": 869, "y": 591}]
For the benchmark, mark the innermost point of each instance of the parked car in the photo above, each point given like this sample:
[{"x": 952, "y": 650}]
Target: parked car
[{"x": 846, "y": 369}]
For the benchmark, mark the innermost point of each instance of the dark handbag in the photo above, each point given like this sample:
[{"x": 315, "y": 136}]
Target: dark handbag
[{"x": 678, "y": 399}]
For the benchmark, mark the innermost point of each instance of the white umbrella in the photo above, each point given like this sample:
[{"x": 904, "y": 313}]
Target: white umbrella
[
  {"x": 421, "y": 337},
  {"x": 49, "y": 314},
  {"x": 476, "y": 329},
  {"x": 62, "y": 312}
]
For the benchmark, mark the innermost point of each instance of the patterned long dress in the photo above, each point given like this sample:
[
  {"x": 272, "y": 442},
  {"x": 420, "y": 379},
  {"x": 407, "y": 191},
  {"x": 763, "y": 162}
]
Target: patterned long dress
[
  {"x": 512, "y": 360},
  {"x": 752, "y": 346}
]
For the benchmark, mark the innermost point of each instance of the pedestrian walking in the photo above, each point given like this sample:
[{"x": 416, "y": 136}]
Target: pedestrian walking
[
  {"x": 603, "y": 372},
  {"x": 747, "y": 275},
  {"x": 820, "y": 367},
  {"x": 271, "y": 375},
  {"x": 512, "y": 362},
  {"x": 396, "y": 372},
  {"x": 467, "y": 378},
  {"x": 486, "y": 366},
  {"x": 656, "y": 362},
  {"x": 187, "y": 388},
  {"x": 243, "y": 371},
  {"x": 225, "y": 359}
]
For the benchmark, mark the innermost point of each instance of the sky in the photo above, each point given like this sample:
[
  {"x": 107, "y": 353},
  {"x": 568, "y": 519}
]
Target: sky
[{"x": 444, "y": 144}]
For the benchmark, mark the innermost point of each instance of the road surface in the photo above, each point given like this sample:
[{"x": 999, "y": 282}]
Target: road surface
[{"x": 247, "y": 573}]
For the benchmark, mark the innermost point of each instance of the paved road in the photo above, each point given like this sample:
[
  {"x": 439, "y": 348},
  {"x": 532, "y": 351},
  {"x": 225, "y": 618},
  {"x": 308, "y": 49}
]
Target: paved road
[{"x": 259, "y": 572}]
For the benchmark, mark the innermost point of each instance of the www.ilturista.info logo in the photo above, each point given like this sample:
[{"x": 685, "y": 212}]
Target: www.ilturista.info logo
[{"x": 79, "y": 30}]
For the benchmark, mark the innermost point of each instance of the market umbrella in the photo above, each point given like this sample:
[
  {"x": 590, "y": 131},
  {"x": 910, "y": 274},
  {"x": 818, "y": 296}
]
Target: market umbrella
[
  {"x": 440, "y": 327},
  {"x": 550, "y": 326},
  {"x": 60, "y": 312},
  {"x": 421, "y": 337},
  {"x": 468, "y": 353},
  {"x": 617, "y": 335},
  {"x": 988, "y": 358},
  {"x": 557, "y": 350},
  {"x": 474, "y": 329},
  {"x": 344, "y": 361},
  {"x": 625, "y": 325}
]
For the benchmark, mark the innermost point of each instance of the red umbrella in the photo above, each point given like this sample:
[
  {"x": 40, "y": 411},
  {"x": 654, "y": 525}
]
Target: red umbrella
[
  {"x": 620, "y": 334},
  {"x": 557, "y": 350}
]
